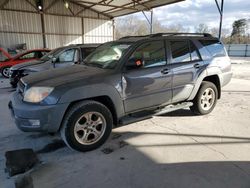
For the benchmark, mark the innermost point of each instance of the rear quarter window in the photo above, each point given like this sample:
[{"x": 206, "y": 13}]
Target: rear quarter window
[{"x": 214, "y": 47}]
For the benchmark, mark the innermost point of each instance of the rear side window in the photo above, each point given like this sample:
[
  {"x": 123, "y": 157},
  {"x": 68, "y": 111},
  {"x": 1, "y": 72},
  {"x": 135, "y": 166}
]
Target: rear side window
[
  {"x": 183, "y": 51},
  {"x": 194, "y": 54},
  {"x": 214, "y": 47}
]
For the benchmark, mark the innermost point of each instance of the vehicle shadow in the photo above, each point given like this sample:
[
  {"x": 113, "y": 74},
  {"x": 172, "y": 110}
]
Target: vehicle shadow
[{"x": 129, "y": 166}]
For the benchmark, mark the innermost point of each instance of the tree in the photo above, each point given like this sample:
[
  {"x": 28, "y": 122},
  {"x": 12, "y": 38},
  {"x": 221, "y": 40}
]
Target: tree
[
  {"x": 202, "y": 28},
  {"x": 239, "y": 27}
]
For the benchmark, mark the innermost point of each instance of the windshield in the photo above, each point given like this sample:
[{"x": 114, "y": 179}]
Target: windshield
[
  {"x": 51, "y": 54},
  {"x": 107, "y": 55}
]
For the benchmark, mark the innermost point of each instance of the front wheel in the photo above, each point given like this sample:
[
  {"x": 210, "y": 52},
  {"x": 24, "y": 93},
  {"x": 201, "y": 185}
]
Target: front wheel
[
  {"x": 86, "y": 126},
  {"x": 5, "y": 71},
  {"x": 206, "y": 99}
]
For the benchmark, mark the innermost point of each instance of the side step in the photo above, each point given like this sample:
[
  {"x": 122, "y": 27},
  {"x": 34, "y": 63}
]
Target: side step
[{"x": 139, "y": 116}]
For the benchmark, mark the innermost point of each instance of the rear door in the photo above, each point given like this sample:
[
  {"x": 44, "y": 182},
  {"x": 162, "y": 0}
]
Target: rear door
[
  {"x": 186, "y": 66},
  {"x": 150, "y": 84}
]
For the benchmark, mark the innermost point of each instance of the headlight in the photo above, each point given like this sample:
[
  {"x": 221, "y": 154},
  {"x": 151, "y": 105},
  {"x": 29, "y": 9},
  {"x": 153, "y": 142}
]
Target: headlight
[{"x": 37, "y": 94}]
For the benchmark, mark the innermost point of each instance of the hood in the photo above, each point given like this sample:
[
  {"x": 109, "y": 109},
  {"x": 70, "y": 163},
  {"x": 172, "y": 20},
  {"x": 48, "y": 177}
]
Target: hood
[
  {"x": 29, "y": 65},
  {"x": 66, "y": 75}
]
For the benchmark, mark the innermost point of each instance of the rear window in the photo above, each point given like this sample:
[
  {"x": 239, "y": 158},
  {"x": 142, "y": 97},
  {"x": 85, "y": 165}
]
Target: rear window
[{"x": 214, "y": 47}]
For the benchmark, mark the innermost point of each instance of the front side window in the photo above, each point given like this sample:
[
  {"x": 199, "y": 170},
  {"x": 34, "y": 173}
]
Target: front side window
[
  {"x": 30, "y": 55},
  {"x": 107, "y": 55},
  {"x": 67, "y": 56},
  {"x": 151, "y": 54}
]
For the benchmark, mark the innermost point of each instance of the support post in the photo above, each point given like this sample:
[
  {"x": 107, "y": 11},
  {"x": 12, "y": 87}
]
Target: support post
[
  {"x": 220, "y": 9},
  {"x": 151, "y": 21},
  {"x": 221, "y": 17},
  {"x": 43, "y": 30}
]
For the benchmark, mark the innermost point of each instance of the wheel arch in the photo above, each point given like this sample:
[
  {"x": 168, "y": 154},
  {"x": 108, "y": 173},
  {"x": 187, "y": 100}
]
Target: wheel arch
[
  {"x": 216, "y": 81},
  {"x": 103, "y": 99},
  {"x": 210, "y": 76}
]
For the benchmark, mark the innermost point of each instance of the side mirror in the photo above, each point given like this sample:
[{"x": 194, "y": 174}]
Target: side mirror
[{"x": 134, "y": 63}]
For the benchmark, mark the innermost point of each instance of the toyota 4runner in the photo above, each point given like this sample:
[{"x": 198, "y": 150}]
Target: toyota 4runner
[{"x": 121, "y": 82}]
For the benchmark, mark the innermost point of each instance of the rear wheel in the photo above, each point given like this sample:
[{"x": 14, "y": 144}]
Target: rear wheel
[
  {"x": 86, "y": 126},
  {"x": 206, "y": 99},
  {"x": 5, "y": 71}
]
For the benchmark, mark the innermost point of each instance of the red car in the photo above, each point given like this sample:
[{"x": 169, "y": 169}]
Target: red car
[{"x": 27, "y": 56}]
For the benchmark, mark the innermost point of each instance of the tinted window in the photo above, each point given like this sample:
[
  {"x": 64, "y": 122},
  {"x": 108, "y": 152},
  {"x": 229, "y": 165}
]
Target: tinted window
[
  {"x": 44, "y": 53},
  {"x": 214, "y": 47},
  {"x": 87, "y": 51},
  {"x": 30, "y": 55},
  {"x": 67, "y": 56},
  {"x": 151, "y": 54},
  {"x": 180, "y": 51},
  {"x": 194, "y": 53}
]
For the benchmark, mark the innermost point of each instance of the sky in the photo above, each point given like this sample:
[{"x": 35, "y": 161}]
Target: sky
[{"x": 191, "y": 13}]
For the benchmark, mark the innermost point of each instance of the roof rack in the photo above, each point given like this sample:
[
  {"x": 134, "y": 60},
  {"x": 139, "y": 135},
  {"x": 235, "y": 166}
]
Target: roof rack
[
  {"x": 181, "y": 34},
  {"x": 169, "y": 34},
  {"x": 129, "y": 36}
]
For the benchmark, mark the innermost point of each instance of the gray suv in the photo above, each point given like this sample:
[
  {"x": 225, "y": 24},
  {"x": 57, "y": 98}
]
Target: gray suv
[{"x": 121, "y": 82}]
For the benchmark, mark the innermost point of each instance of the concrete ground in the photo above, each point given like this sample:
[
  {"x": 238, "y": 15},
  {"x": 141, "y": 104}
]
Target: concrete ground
[{"x": 175, "y": 150}]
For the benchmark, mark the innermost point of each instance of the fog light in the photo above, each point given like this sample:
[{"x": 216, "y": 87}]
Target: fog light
[{"x": 34, "y": 122}]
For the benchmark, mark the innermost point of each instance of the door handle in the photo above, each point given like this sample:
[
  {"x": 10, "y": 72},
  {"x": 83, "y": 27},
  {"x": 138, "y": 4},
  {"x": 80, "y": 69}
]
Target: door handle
[
  {"x": 197, "y": 65},
  {"x": 165, "y": 71}
]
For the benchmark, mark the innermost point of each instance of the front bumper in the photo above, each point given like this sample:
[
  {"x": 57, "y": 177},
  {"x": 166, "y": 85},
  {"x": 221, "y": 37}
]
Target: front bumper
[{"x": 35, "y": 117}]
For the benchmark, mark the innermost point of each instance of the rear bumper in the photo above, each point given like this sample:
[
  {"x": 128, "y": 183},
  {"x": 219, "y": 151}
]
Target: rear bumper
[{"x": 34, "y": 117}]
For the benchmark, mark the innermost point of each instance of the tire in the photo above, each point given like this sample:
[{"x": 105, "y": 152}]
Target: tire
[
  {"x": 206, "y": 99},
  {"x": 5, "y": 72},
  {"x": 86, "y": 126},
  {"x": 13, "y": 85}
]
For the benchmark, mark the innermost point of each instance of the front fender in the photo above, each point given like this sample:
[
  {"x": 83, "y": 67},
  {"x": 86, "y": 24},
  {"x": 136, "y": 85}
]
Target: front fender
[{"x": 91, "y": 91}]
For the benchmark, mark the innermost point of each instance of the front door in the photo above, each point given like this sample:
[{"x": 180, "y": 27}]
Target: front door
[{"x": 150, "y": 84}]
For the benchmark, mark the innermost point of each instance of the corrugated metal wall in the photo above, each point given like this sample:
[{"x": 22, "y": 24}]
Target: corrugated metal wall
[
  {"x": 16, "y": 26},
  {"x": 240, "y": 50},
  {"x": 60, "y": 27},
  {"x": 97, "y": 31}
]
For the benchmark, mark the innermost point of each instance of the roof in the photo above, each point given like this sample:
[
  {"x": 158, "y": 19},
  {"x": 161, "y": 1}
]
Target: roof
[{"x": 115, "y": 8}]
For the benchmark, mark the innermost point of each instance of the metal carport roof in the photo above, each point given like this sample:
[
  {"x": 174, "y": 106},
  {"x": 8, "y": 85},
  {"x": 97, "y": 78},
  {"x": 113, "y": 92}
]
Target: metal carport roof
[{"x": 115, "y": 8}]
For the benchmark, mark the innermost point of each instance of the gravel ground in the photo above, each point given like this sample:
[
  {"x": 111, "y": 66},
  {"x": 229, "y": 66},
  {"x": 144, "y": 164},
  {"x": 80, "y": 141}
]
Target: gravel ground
[{"x": 174, "y": 150}]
